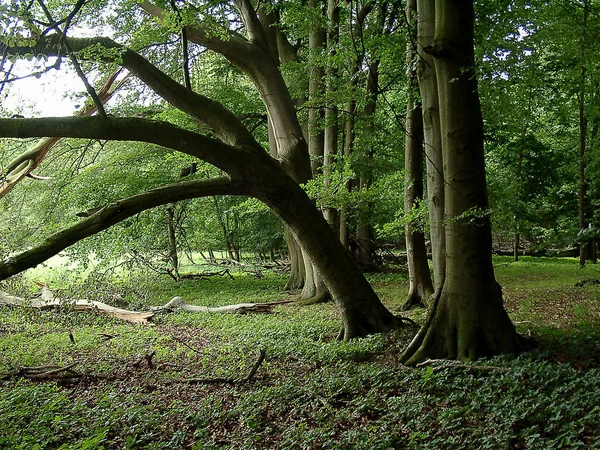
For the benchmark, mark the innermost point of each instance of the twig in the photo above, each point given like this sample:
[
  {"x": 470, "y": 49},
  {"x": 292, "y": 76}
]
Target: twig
[
  {"x": 37, "y": 372},
  {"x": 231, "y": 381},
  {"x": 182, "y": 342},
  {"x": 259, "y": 361},
  {"x": 108, "y": 337}
]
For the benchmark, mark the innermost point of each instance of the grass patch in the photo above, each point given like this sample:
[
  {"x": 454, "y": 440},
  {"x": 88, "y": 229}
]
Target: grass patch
[{"x": 311, "y": 392}]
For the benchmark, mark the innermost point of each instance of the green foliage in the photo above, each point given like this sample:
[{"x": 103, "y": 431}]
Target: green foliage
[{"x": 311, "y": 391}]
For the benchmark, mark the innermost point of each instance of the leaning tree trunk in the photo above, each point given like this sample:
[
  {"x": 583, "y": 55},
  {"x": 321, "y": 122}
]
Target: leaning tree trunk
[
  {"x": 361, "y": 310},
  {"x": 433, "y": 140},
  {"x": 468, "y": 319},
  {"x": 420, "y": 285}
]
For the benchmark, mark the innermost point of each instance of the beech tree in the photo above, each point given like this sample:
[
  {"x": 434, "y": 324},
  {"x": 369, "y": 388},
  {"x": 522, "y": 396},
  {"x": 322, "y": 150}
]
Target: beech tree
[
  {"x": 249, "y": 169},
  {"x": 467, "y": 319},
  {"x": 421, "y": 286}
]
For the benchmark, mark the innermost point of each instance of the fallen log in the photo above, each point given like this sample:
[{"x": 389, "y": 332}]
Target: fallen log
[
  {"x": 177, "y": 303},
  {"x": 47, "y": 300}
]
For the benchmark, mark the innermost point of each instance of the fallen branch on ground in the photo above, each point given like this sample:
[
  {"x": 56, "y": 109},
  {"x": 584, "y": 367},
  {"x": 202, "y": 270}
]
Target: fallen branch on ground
[
  {"x": 53, "y": 372},
  {"x": 47, "y": 300},
  {"x": 177, "y": 303},
  {"x": 201, "y": 276},
  {"x": 232, "y": 381}
]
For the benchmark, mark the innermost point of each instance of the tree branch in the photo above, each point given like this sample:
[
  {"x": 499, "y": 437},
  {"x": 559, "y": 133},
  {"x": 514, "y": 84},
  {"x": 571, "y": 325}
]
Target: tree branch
[
  {"x": 65, "y": 44},
  {"x": 254, "y": 28},
  {"x": 114, "y": 213},
  {"x": 234, "y": 47},
  {"x": 211, "y": 113},
  {"x": 231, "y": 159},
  {"x": 26, "y": 162}
]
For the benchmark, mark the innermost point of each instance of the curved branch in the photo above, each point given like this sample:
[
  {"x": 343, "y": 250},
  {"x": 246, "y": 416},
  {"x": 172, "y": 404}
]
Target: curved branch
[
  {"x": 264, "y": 72},
  {"x": 234, "y": 47},
  {"x": 113, "y": 213},
  {"x": 231, "y": 159},
  {"x": 211, "y": 113}
]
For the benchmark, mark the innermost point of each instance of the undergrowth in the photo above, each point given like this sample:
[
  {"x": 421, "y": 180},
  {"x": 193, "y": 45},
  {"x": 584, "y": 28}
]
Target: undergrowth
[{"x": 311, "y": 391}]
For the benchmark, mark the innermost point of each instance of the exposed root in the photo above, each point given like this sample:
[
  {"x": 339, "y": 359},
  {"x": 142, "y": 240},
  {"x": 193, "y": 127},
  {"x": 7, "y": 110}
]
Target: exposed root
[
  {"x": 322, "y": 297},
  {"x": 413, "y": 301},
  {"x": 357, "y": 327}
]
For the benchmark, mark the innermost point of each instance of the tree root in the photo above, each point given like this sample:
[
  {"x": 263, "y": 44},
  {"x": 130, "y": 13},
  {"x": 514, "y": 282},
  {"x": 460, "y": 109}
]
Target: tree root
[
  {"x": 321, "y": 297},
  {"x": 413, "y": 301}
]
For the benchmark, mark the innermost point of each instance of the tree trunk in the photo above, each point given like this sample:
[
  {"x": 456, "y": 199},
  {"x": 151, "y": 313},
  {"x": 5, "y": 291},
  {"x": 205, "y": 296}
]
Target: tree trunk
[
  {"x": 362, "y": 312},
  {"x": 433, "y": 139},
  {"x": 331, "y": 111},
  {"x": 348, "y": 148},
  {"x": 421, "y": 286},
  {"x": 173, "y": 258},
  {"x": 364, "y": 231},
  {"x": 468, "y": 319},
  {"x": 582, "y": 140},
  {"x": 316, "y": 43}
]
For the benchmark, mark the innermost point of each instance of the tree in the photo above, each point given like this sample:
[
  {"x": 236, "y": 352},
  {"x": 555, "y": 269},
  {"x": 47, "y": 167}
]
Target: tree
[
  {"x": 430, "y": 107},
  {"x": 421, "y": 286},
  {"x": 249, "y": 169},
  {"x": 467, "y": 319}
]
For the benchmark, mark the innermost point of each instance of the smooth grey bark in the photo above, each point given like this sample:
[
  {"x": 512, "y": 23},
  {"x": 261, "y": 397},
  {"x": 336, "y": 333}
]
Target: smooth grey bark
[
  {"x": 349, "y": 136},
  {"x": 468, "y": 319},
  {"x": 420, "y": 284},
  {"x": 316, "y": 46},
  {"x": 313, "y": 288},
  {"x": 433, "y": 139}
]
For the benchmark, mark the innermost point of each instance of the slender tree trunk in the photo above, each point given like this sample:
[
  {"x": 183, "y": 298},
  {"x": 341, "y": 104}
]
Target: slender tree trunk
[
  {"x": 433, "y": 139},
  {"x": 468, "y": 319},
  {"x": 316, "y": 44},
  {"x": 421, "y": 286},
  {"x": 517, "y": 201},
  {"x": 582, "y": 139},
  {"x": 364, "y": 231},
  {"x": 173, "y": 258},
  {"x": 351, "y": 110},
  {"x": 331, "y": 110}
]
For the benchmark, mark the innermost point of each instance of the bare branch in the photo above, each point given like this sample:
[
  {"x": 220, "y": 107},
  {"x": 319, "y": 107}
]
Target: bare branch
[{"x": 65, "y": 44}]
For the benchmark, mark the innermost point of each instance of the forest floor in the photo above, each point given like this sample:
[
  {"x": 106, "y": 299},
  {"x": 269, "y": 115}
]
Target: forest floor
[{"x": 178, "y": 383}]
